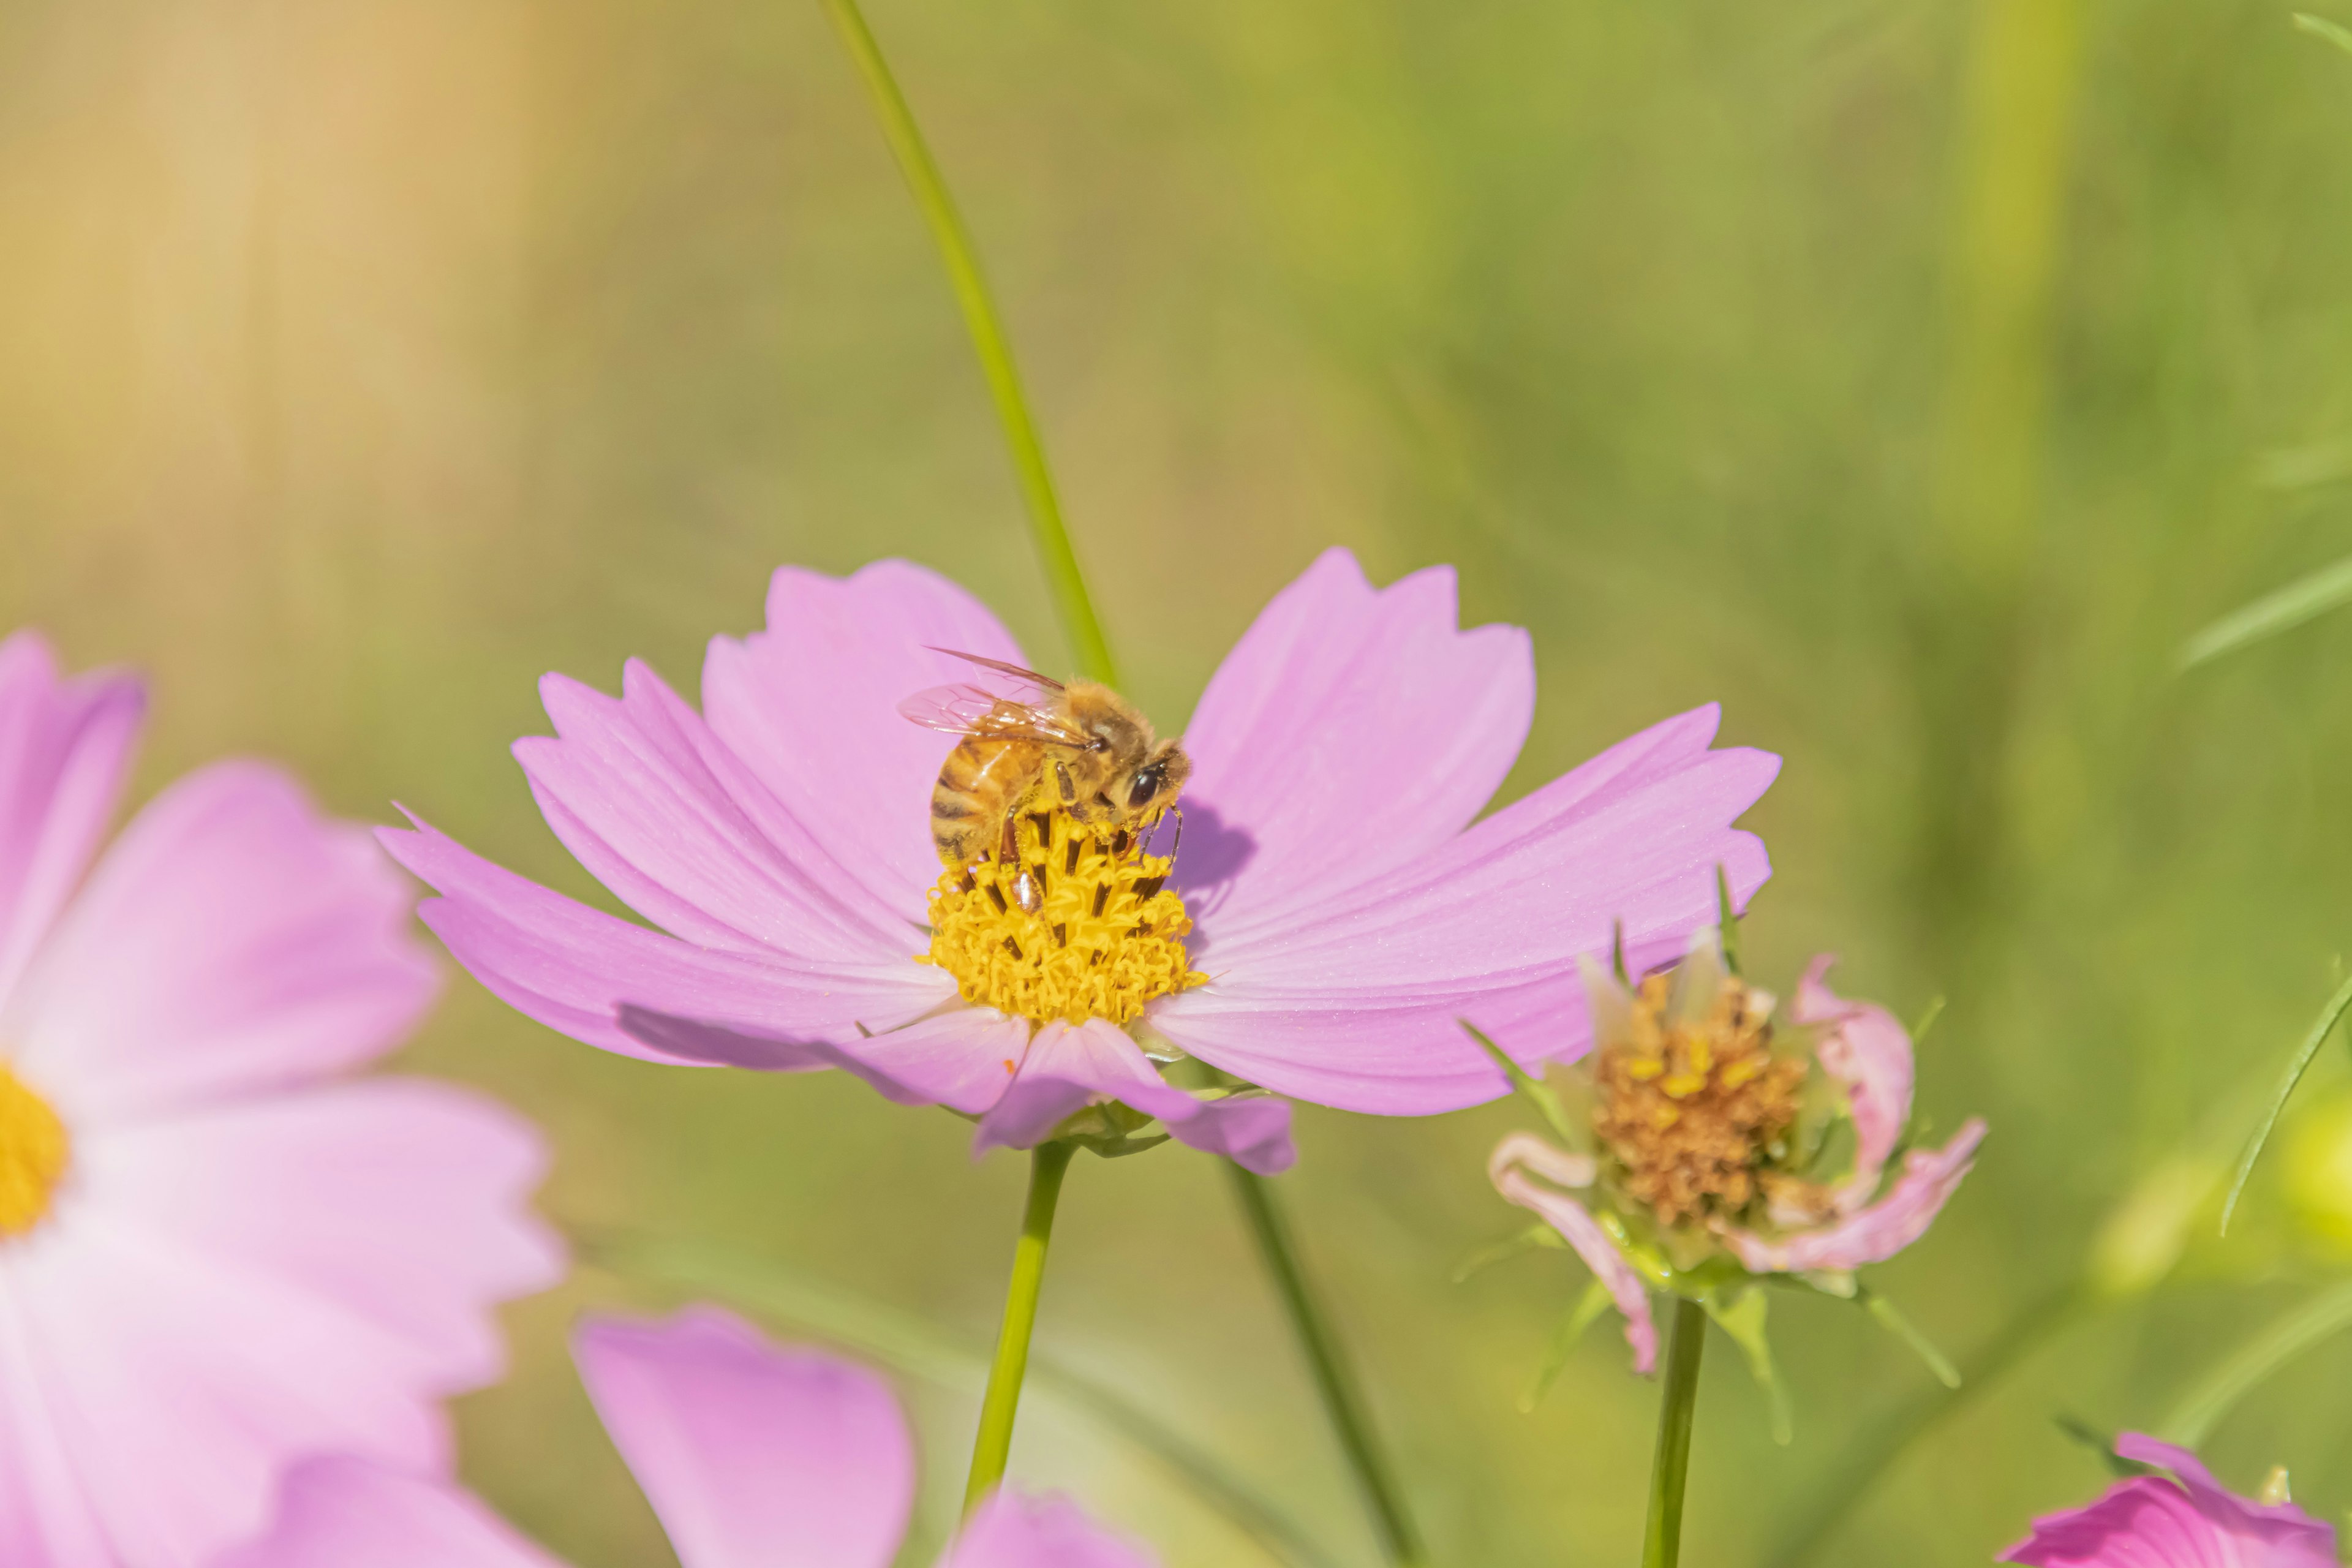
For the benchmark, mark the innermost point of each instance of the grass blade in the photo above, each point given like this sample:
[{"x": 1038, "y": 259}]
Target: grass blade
[
  {"x": 2296, "y": 1069},
  {"x": 2334, "y": 32},
  {"x": 2193, "y": 1420},
  {"x": 2308, "y": 596}
]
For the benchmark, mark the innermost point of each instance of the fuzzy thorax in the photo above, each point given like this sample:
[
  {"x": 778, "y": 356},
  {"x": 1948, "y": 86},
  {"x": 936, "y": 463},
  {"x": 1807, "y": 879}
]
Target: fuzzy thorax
[
  {"x": 1082, "y": 926},
  {"x": 33, "y": 1153},
  {"x": 1692, "y": 1101}
]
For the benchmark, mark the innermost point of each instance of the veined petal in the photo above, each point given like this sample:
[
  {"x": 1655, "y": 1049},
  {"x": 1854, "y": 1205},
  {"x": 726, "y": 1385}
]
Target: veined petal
[
  {"x": 962, "y": 1058},
  {"x": 231, "y": 939},
  {"x": 812, "y": 705},
  {"x": 1874, "y": 1234},
  {"x": 753, "y": 1456},
  {"x": 1071, "y": 1066},
  {"x": 1010, "y": 1530},
  {"x": 64, "y": 745},
  {"x": 2148, "y": 1521},
  {"x": 1358, "y": 1003},
  {"x": 659, "y": 810},
  {"x": 1508, "y": 1168},
  {"x": 573, "y": 968},
  {"x": 341, "y": 1512},
  {"x": 1868, "y": 1051},
  {"x": 1350, "y": 729}
]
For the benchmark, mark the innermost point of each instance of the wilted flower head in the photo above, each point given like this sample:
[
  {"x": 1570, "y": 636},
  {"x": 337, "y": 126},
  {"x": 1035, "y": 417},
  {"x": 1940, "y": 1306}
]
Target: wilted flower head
[
  {"x": 217, "y": 1252},
  {"x": 1331, "y": 913},
  {"x": 752, "y": 1455},
  {"x": 2187, "y": 1519},
  {"x": 1713, "y": 1144}
]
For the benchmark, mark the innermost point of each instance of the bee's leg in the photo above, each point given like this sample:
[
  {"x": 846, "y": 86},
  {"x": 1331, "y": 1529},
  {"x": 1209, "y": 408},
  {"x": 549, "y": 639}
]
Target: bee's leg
[
  {"x": 1008, "y": 846},
  {"x": 1026, "y": 890},
  {"x": 1067, "y": 785},
  {"x": 1179, "y": 844}
]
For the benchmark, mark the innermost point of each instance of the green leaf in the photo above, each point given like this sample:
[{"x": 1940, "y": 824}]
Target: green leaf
[
  {"x": 920, "y": 1349},
  {"x": 1903, "y": 1329},
  {"x": 1726, "y": 921},
  {"x": 1531, "y": 1239},
  {"x": 2102, "y": 1444},
  {"x": 1534, "y": 1088},
  {"x": 2334, "y": 33},
  {"x": 1571, "y": 1328},
  {"x": 1741, "y": 1313},
  {"x": 2311, "y": 594},
  {"x": 1927, "y": 1016},
  {"x": 2285, "y": 1338},
  {"x": 2296, "y": 1066}
]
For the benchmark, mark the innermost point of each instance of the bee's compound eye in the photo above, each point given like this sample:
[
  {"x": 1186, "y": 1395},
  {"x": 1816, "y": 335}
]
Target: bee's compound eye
[{"x": 1146, "y": 785}]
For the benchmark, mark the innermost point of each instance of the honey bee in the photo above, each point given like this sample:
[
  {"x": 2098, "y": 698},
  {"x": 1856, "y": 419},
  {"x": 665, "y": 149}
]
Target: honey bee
[{"x": 1081, "y": 747}]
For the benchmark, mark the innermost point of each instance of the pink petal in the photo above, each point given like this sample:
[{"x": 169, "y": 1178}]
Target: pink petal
[
  {"x": 1870, "y": 1053},
  {"x": 1009, "y": 1531},
  {"x": 1357, "y": 1002},
  {"x": 1350, "y": 729},
  {"x": 1508, "y": 1168},
  {"x": 64, "y": 748},
  {"x": 1874, "y": 1234},
  {"x": 232, "y": 940},
  {"x": 810, "y": 704},
  {"x": 341, "y": 1512},
  {"x": 573, "y": 968},
  {"x": 1072, "y": 1066},
  {"x": 660, "y": 811},
  {"x": 46, "y": 1519},
  {"x": 753, "y": 1456},
  {"x": 962, "y": 1058},
  {"x": 2150, "y": 1522}
]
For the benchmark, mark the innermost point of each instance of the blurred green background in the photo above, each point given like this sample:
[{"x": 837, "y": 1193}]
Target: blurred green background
[{"x": 1913, "y": 377}]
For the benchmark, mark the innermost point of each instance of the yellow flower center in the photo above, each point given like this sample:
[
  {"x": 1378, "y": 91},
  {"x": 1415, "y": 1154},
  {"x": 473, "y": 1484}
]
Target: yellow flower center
[
  {"x": 1082, "y": 926},
  {"x": 34, "y": 1154}
]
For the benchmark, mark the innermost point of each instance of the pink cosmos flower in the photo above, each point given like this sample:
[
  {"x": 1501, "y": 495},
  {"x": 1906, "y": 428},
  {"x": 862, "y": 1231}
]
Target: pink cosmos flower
[
  {"x": 2188, "y": 1521},
  {"x": 214, "y": 1258},
  {"x": 752, "y": 1456},
  {"x": 1342, "y": 910},
  {"x": 1699, "y": 1150}
]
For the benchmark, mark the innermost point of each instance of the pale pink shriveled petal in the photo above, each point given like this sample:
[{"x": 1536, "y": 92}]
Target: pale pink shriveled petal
[
  {"x": 232, "y": 940},
  {"x": 754, "y": 1457},
  {"x": 1010, "y": 1530},
  {"x": 962, "y": 1058},
  {"x": 1508, "y": 1168},
  {"x": 812, "y": 705},
  {"x": 1875, "y": 1234},
  {"x": 1358, "y": 1002},
  {"x": 660, "y": 811},
  {"x": 1072, "y": 1066},
  {"x": 1348, "y": 731},
  {"x": 1869, "y": 1052},
  {"x": 340, "y": 1512},
  {"x": 64, "y": 745},
  {"x": 573, "y": 968},
  {"x": 2149, "y": 1521}
]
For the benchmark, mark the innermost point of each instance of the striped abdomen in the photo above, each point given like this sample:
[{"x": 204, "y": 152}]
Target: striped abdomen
[{"x": 978, "y": 785}]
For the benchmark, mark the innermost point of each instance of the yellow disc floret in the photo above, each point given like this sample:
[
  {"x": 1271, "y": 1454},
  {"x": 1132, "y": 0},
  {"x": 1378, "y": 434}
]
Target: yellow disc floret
[
  {"x": 33, "y": 1152},
  {"x": 1082, "y": 926}
]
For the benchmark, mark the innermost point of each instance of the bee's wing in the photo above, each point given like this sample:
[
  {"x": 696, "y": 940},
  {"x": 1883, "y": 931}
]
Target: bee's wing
[
  {"x": 969, "y": 710},
  {"x": 1029, "y": 677}
]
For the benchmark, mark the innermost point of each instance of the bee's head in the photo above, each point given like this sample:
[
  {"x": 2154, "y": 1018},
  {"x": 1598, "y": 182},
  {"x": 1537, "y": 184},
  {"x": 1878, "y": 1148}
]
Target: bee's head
[{"x": 1156, "y": 783}]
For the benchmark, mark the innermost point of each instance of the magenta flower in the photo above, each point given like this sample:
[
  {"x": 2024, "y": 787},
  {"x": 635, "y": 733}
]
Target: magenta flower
[
  {"x": 2189, "y": 1520},
  {"x": 214, "y": 1256},
  {"x": 752, "y": 1456},
  {"x": 1334, "y": 911},
  {"x": 1701, "y": 1153}
]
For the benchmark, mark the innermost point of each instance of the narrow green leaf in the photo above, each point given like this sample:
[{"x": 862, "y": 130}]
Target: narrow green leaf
[
  {"x": 2102, "y": 1444},
  {"x": 1534, "y": 1088},
  {"x": 2296, "y": 1066},
  {"x": 1927, "y": 1016},
  {"x": 1741, "y": 1315},
  {"x": 1533, "y": 1238},
  {"x": 2311, "y": 594},
  {"x": 918, "y": 1348},
  {"x": 2285, "y": 1338},
  {"x": 2334, "y": 32},
  {"x": 1565, "y": 1334},
  {"x": 1904, "y": 1329},
  {"x": 1727, "y": 919}
]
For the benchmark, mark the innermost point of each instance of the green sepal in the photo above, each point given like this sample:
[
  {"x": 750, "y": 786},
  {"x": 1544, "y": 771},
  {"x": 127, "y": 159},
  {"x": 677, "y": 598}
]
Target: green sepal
[
  {"x": 1739, "y": 1312},
  {"x": 1541, "y": 1094},
  {"x": 1529, "y": 1240},
  {"x": 1565, "y": 1334},
  {"x": 1904, "y": 1329}
]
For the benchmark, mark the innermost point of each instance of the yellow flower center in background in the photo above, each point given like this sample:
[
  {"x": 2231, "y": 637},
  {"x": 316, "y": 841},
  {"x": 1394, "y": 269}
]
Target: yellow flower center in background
[
  {"x": 1691, "y": 1106},
  {"x": 1080, "y": 927},
  {"x": 33, "y": 1153}
]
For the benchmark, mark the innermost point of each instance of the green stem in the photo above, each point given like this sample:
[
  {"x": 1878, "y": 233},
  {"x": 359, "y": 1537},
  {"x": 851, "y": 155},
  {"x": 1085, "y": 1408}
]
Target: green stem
[
  {"x": 1077, "y": 610},
  {"x": 989, "y": 1449},
  {"x": 1662, "y": 1545},
  {"x": 1335, "y": 1381}
]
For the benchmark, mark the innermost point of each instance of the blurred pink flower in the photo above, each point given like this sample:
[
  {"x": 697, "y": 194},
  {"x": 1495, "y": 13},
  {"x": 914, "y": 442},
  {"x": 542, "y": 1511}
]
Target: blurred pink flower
[
  {"x": 1345, "y": 908},
  {"x": 752, "y": 1456},
  {"x": 214, "y": 1259},
  {"x": 2188, "y": 1521}
]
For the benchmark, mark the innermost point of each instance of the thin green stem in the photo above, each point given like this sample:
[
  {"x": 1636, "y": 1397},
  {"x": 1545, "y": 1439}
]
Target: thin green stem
[
  {"x": 1087, "y": 646},
  {"x": 1662, "y": 1543},
  {"x": 1047, "y": 1164},
  {"x": 1335, "y": 1380}
]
